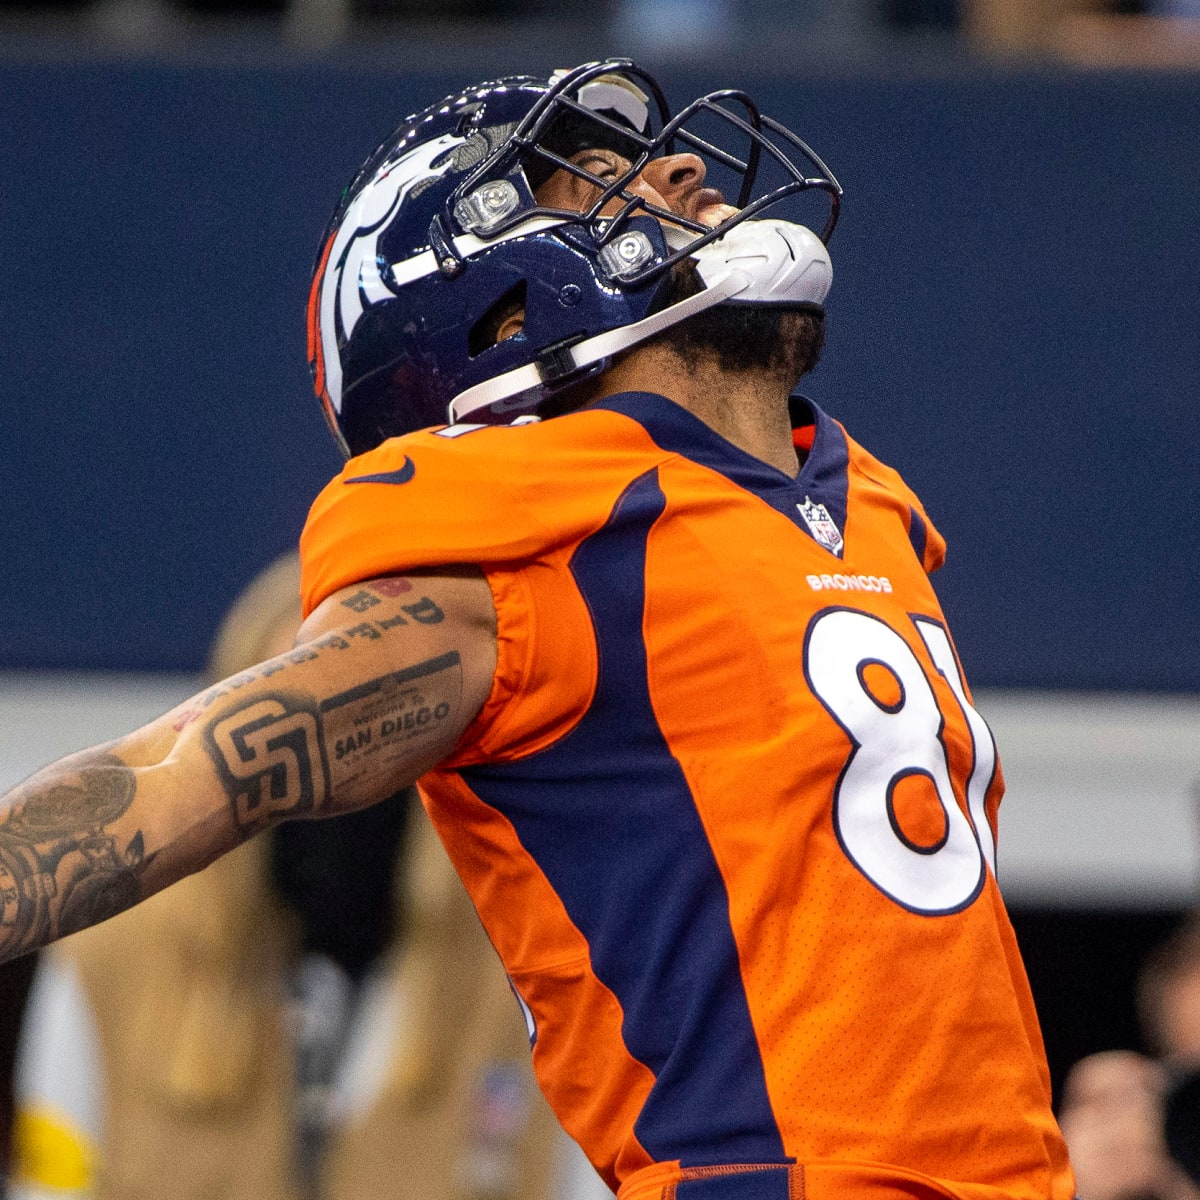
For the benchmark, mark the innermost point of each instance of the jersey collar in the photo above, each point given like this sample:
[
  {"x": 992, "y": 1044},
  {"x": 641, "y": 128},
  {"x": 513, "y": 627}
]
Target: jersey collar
[{"x": 822, "y": 482}]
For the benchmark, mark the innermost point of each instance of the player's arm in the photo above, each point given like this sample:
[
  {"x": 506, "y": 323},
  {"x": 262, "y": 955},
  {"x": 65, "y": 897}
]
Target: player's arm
[{"x": 384, "y": 678}]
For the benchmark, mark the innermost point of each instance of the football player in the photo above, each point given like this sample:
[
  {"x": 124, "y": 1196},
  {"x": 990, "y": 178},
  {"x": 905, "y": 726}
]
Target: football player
[{"x": 658, "y": 638}]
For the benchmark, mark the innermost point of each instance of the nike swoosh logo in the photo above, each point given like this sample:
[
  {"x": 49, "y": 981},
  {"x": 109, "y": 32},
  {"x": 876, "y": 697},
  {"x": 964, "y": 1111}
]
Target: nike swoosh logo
[{"x": 400, "y": 475}]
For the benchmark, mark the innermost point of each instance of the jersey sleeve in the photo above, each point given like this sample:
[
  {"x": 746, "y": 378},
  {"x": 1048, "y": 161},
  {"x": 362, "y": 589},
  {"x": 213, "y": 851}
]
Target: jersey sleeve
[
  {"x": 424, "y": 501},
  {"x": 928, "y": 544},
  {"x": 512, "y": 500}
]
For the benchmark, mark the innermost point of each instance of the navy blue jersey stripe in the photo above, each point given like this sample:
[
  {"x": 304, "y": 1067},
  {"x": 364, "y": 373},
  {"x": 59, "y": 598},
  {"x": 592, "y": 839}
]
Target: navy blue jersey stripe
[
  {"x": 608, "y": 816},
  {"x": 917, "y": 533}
]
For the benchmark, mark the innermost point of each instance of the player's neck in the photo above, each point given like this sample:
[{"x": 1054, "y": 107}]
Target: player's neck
[{"x": 747, "y": 408}]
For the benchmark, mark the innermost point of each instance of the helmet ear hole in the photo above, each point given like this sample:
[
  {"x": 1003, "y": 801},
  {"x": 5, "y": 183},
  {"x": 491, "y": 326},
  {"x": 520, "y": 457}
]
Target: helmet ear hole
[
  {"x": 485, "y": 331},
  {"x": 468, "y": 117}
]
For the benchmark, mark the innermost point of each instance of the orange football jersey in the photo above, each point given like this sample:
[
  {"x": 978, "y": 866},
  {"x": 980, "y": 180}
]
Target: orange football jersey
[{"x": 728, "y": 813}]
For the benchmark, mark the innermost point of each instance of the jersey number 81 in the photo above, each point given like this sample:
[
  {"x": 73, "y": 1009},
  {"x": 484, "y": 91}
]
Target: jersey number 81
[{"x": 897, "y": 735}]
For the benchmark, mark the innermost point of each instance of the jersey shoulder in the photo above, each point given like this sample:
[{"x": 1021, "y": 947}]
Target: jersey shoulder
[
  {"x": 927, "y": 541},
  {"x": 464, "y": 494}
]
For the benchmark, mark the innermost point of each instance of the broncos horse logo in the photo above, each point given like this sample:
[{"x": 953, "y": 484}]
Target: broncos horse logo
[{"x": 348, "y": 278}]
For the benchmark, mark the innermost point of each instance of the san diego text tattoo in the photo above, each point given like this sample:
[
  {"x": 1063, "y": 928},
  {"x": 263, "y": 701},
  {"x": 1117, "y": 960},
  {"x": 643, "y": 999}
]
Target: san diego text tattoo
[
  {"x": 276, "y": 758},
  {"x": 388, "y": 713}
]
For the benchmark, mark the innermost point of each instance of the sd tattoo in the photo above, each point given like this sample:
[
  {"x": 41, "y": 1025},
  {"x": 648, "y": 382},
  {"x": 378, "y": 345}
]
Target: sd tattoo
[{"x": 270, "y": 758}]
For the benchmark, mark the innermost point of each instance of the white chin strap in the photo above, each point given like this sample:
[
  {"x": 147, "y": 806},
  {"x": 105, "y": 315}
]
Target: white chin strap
[{"x": 756, "y": 262}]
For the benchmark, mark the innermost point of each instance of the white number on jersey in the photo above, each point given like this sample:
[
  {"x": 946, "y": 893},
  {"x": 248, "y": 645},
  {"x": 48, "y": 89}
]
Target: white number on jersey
[{"x": 897, "y": 734}]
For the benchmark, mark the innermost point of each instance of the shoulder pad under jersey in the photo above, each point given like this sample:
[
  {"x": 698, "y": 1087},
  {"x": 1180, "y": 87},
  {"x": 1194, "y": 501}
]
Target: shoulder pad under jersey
[{"x": 465, "y": 494}]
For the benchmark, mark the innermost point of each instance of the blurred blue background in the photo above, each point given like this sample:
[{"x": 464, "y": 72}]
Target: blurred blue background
[{"x": 1013, "y": 322}]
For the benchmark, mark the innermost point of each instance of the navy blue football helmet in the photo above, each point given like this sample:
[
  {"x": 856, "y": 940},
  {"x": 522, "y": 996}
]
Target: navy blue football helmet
[{"x": 442, "y": 231}]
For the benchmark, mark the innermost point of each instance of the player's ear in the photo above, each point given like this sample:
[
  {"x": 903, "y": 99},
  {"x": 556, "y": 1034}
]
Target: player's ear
[
  {"x": 503, "y": 320},
  {"x": 511, "y": 325}
]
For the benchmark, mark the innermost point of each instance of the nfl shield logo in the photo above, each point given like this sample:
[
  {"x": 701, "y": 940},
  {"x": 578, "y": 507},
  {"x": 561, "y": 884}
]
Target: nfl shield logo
[{"x": 822, "y": 526}]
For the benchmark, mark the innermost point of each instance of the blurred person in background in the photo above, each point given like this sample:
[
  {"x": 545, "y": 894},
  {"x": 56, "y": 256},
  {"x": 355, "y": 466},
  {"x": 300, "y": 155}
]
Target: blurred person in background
[
  {"x": 269, "y": 1036},
  {"x": 1114, "y": 1106}
]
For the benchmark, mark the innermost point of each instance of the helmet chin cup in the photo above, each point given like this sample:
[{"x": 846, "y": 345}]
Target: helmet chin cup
[
  {"x": 784, "y": 263},
  {"x": 756, "y": 262}
]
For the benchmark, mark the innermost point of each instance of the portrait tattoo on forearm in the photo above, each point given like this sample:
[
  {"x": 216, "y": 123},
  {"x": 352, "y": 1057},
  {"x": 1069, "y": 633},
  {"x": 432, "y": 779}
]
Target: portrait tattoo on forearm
[{"x": 61, "y": 868}]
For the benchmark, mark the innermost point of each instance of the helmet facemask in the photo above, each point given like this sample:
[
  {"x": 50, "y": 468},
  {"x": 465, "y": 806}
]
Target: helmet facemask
[
  {"x": 445, "y": 222},
  {"x": 753, "y": 160}
]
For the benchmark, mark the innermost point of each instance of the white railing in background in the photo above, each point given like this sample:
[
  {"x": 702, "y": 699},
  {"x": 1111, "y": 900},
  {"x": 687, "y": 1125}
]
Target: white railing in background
[{"x": 1102, "y": 806}]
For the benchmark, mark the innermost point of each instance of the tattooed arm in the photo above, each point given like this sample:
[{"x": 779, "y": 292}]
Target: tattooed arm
[{"x": 384, "y": 678}]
